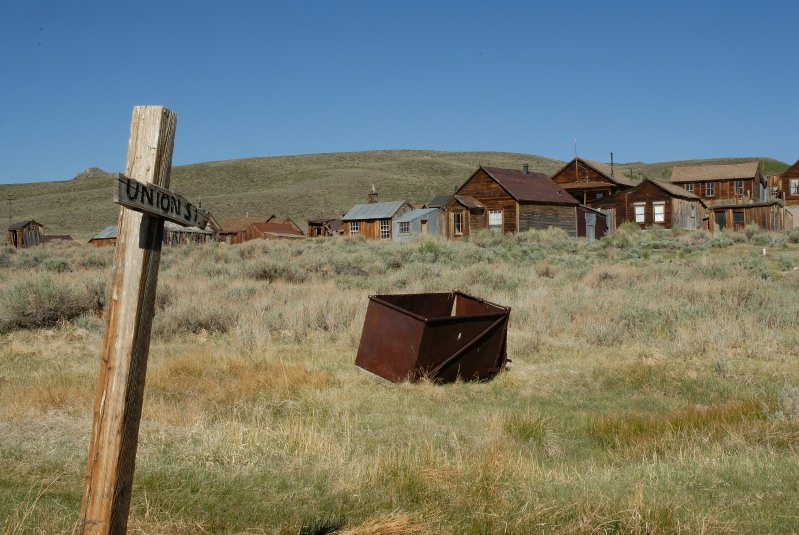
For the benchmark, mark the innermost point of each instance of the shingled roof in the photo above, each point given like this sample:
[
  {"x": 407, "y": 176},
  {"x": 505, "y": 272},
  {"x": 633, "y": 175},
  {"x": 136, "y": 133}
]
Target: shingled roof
[
  {"x": 709, "y": 173},
  {"x": 529, "y": 187}
]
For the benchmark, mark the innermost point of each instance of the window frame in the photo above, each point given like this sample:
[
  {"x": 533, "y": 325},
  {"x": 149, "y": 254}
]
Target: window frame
[
  {"x": 793, "y": 186},
  {"x": 355, "y": 227},
  {"x": 739, "y": 187},
  {"x": 642, "y": 214},
  {"x": 710, "y": 189},
  {"x": 385, "y": 229},
  {"x": 404, "y": 227},
  {"x": 662, "y": 215},
  {"x": 457, "y": 223},
  {"x": 689, "y": 187},
  {"x": 495, "y": 227}
]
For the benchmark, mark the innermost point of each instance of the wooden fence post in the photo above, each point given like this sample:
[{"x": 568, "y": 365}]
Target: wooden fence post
[{"x": 120, "y": 386}]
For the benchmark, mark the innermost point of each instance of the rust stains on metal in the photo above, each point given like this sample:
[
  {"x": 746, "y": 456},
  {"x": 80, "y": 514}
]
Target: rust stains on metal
[{"x": 443, "y": 336}]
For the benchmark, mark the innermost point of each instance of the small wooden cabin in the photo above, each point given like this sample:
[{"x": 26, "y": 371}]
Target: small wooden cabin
[
  {"x": 25, "y": 234},
  {"x": 723, "y": 184},
  {"x": 273, "y": 231},
  {"x": 325, "y": 227},
  {"x": 234, "y": 229},
  {"x": 788, "y": 184},
  {"x": 509, "y": 200},
  {"x": 769, "y": 215},
  {"x": 374, "y": 220},
  {"x": 107, "y": 236},
  {"x": 655, "y": 203},
  {"x": 587, "y": 181}
]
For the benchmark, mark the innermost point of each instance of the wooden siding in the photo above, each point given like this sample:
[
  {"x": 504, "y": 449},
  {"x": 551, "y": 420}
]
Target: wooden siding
[
  {"x": 768, "y": 217},
  {"x": 677, "y": 212},
  {"x": 543, "y": 216},
  {"x": 483, "y": 188},
  {"x": 785, "y": 184},
  {"x": 724, "y": 190},
  {"x": 30, "y": 235},
  {"x": 600, "y": 228},
  {"x": 577, "y": 172}
]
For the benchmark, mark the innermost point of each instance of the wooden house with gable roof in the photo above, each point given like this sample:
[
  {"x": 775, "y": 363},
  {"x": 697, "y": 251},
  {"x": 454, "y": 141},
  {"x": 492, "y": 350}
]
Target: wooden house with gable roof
[
  {"x": 509, "y": 200},
  {"x": 655, "y": 203},
  {"x": 25, "y": 234},
  {"x": 723, "y": 183},
  {"x": 788, "y": 184},
  {"x": 586, "y": 180},
  {"x": 374, "y": 220}
]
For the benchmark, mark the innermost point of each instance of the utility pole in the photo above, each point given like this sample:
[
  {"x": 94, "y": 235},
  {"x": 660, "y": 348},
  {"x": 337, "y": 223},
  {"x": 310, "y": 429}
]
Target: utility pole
[{"x": 10, "y": 198}]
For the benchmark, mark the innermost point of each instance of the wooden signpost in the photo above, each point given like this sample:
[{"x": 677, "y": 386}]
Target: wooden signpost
[{"x": 146, "y": 202}]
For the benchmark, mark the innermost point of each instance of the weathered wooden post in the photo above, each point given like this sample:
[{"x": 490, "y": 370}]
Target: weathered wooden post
[{"x": 120, "y": 386}]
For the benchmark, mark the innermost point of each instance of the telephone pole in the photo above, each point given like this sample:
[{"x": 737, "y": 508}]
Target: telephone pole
[{"x": 10, "y": 198}]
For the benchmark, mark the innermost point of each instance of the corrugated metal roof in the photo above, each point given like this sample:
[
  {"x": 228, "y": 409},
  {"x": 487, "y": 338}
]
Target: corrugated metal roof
[
  {"x": 375, "y": 210},
  {"x": 417, "y": 214},
  {"x": 108, "y": 232},
  {"x": 438, "y": 201},
  {"x": 701, "y": 173},
  {"x": 530, "y": 187}
]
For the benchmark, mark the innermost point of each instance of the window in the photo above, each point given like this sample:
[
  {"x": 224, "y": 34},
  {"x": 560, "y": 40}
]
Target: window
[
  {"x": 739, "y": 187},
  {"x": 639, "y": 212},
  {"x": 710, "y": 189},
  {"x": 794, "y": 186},
  {"x": 385, "y": 229},
  {"x": 689, "y": 187},
  {"x": 355, "y": 227},
  {"x": 660, "y": 211},
  {"x": 495, "y": 221},
  {"x": 405, "y": 227},
  {"x": 457, "y": 223}
]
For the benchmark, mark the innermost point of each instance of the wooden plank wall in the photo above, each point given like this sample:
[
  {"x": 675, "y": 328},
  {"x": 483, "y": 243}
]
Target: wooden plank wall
[
  {"x": 543, "y": 216},
  {"x": 484, "y": 188}
]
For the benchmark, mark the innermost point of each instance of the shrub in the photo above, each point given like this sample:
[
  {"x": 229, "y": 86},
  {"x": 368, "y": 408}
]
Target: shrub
[{"x": 42, "y": 302}]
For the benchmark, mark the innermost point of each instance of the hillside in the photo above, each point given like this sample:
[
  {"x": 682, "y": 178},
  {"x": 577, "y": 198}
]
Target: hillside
[{"x": 300, "y": 187}]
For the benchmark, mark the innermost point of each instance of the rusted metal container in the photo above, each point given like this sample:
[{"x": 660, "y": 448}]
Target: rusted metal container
[{"x": 443, "y": 336}]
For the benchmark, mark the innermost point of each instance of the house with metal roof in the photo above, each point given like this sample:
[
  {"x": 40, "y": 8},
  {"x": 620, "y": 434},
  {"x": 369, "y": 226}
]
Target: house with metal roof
[
  {"x": 724, "y": 183},
  {"x": 509, "y": 200},
  {"x": 586, "y": 180},
  {"x": 374, "y": 220},
  {"x": 107, "y": 236},
  {"x": 424, "y": 221},
  {"x": 25, "y": 234}
]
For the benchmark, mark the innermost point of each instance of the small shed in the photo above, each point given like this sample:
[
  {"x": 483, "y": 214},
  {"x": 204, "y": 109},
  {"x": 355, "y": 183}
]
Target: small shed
[
  {"x": 655, "y": 203},
  {"x": 273, "y": 231},
  {"x": 325, "y": 227},
  {"x": 107, "y": 236},
  {"x": 592, "y": 223},
  {"x": 769, "y": 215},
  {"x": 25, "y": 234},
  {"x": 175, "y": 234},
  {"x": 417, "y": 221}
]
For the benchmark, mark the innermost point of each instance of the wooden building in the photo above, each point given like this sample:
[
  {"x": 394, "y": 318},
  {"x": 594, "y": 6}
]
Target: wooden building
[
  {"x": 374, "y": 220},
  {"x": 788, "y": 185},
  {"x": 175, "y": 234},
  {"x": 25, "y": 234},
  {"x": 654, "y": 203},
  {"x": 723, "y": 184},
  {"x": 325, "y": 227},
  {"x": 587, "y": 181},
  {"x": 107, "y": 236},
  {"x": 273, "y": 231},
  {"x": 592, "y": 223},
  {"x": 769, "y": 215},
  {"x": 234, "y": 229},
  {"x": 509, "y": 200}
]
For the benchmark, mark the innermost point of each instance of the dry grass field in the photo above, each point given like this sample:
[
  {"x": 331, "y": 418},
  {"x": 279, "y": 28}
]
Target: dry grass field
[{"x": 653, "y": 388}]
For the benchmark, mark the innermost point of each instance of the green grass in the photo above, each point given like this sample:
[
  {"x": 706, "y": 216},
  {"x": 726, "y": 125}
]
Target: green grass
[{"x": 652, "y": 389}]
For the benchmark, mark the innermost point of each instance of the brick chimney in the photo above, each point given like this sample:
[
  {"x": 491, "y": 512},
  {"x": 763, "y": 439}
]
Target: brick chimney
[{"x": 372, "y": 195}]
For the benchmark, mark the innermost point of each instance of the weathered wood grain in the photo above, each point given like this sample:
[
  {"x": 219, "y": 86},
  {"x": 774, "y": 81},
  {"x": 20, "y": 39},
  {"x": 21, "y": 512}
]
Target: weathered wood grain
[
  {"x": 120, "y": 386},
  {"x": 159, "y": 202}
]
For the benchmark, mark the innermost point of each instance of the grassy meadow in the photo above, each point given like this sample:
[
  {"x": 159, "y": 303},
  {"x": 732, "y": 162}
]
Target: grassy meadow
[{"x": 653, "y": 388}]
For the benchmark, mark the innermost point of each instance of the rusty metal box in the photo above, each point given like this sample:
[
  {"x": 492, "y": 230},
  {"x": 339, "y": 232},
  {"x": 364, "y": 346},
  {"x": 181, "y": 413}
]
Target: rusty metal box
[{"x": 442, "y": 336}]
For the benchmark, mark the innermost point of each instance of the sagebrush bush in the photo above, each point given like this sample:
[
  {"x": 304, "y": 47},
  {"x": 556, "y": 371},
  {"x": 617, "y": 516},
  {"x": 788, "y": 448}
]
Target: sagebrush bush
[{"x": 42, "y": 301}]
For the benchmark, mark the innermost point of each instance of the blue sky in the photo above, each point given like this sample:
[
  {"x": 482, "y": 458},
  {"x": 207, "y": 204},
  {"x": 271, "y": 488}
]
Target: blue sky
[{"x": 648, "y": 81}]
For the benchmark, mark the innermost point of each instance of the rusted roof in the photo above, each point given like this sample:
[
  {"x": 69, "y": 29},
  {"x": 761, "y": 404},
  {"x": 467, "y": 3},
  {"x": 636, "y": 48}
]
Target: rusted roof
[
  {"x": 530, "y": 187},
  {"x": 278, "y": 229},
  {"x": 467, "y": 201},
  {"x": 237, "y": 224},
  {"x": 22, "y": 224},
  {"x": 707, "y": 173}
]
